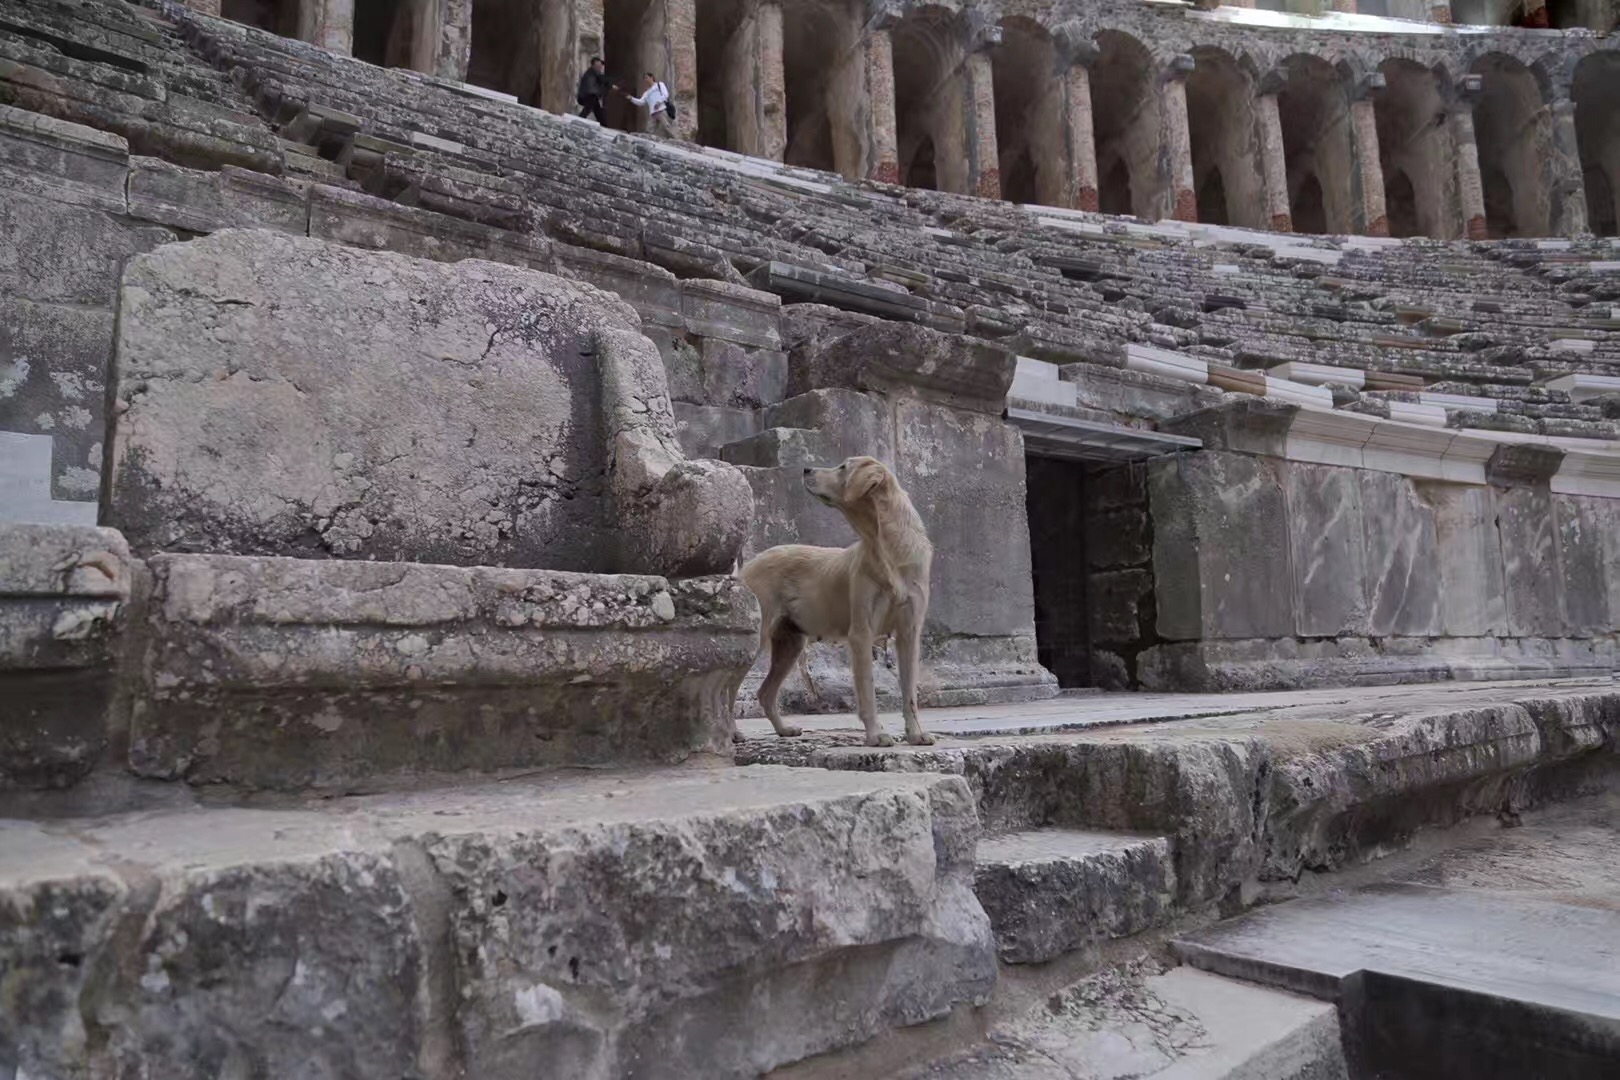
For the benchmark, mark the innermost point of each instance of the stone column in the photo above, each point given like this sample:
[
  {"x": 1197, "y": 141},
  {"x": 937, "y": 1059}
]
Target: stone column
[
  {"x": 452, "y": 48},
  {"x": 328, "y": 23},
  {"x": 753, "y": 84},
  {"x": 1567, "y": 186},
  {"x": 1273, "y": 159},
  {"x": 680, "y": 51},
  {"x": 1346, "y": 6},
  {"x": 979, "y": 112},
  {"x": 1076, "y": 52},
  {"x": 1440, "y": 13},
  {"x": 1535, "y": 15},
  {"x": 1470, "y": 188},
  {"x": 1369, "y": 167},
  {"x": 204, "y": 7},
  {"x": 1175, "y": 141},
  {"x": 882, "y": 131}
]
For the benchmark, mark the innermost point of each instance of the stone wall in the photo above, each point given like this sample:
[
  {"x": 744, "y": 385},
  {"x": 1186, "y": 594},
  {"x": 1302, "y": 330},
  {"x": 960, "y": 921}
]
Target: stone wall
[{"x": 1273, "y": 572}]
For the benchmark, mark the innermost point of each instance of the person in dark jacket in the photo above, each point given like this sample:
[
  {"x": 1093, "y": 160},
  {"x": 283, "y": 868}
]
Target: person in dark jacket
[{"x": 593, "y": 88}]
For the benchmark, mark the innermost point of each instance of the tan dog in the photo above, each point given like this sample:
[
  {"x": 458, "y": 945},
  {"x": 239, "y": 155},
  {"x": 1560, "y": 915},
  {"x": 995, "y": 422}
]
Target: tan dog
[{"x": 876, "y": 587}]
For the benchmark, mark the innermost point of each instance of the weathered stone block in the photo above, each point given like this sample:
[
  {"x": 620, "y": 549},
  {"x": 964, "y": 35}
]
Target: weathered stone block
[
  {"x": 728, "y": 312},
  {"x": 1328, "y": 551},
  {"x": 1403, "y": 581},
  {"x": 1534, "y": 581},
  {"x": 53, "y": 370},
  {"x": 1117, "y": 599},
  {"x": 736, "y": 375},
  {"x": 1220, "y": 547},
  {"x": 782, "y": 897},
  {"x": 704, "y": 429},
  {"x": 64, "y": 591},
  {"x": 476, "y": 414},
  {"x": 205, "y": 201},
  {"x": 1118, "y": 538},
  {"x": 1468, "y": 558},
  {"x": 66, "y": 254},
  {"x": 963, "y": 372},
  {"x": 365, "y": 221},
  {"x": 1589, "y": 559},
  {"x": 289, "y": 673}
]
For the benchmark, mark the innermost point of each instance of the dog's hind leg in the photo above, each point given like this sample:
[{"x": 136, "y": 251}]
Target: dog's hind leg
[
  {"x": 908, "y": 644},
  {"x": 804, "y": 669},
  {"x": 787, "y": 644}
]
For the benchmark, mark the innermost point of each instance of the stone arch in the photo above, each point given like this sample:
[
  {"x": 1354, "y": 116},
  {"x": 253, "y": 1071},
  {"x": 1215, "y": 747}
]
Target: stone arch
[
  {"x": 928, "y": 49},
  {"x": 1029, "y": 115},
  {"x": 1126, "y": 121},
  {"x": 824, "y": 85},
  {"x": 392, "y": 34},
  {"x": 1596, "y": 92},
  {"x": 522, "y": 48},
  {"x": 1415, "y": 144},
  {"x": 1225, "y": 140},
  {"x": 1318, "y": 144},
  {"x": 1514, "y": 134},
  {"x": 717, "y": 24},
  {"x": 635, "y": 41}
]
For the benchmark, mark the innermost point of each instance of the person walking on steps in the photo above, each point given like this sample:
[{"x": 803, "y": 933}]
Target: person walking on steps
[
  {"x": 660, "y": 109},
  {"x": 593, "y": 89}
]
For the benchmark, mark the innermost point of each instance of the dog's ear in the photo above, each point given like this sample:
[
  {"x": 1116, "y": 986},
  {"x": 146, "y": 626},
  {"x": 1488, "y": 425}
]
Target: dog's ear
[{"x": 868, "y": 477}]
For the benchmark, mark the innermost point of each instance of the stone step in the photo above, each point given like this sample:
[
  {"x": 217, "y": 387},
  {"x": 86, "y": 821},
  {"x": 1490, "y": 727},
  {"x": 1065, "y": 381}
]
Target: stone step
[
  {"x": 1050, "y": 891},
  {"x": 1134, "y": 1024},
  {"x": 701, "y": 922}
]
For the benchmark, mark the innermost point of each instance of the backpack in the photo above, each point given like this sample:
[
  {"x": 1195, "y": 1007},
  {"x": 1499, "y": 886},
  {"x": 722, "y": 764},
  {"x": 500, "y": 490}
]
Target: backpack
[{"x": 669, "y": 104}]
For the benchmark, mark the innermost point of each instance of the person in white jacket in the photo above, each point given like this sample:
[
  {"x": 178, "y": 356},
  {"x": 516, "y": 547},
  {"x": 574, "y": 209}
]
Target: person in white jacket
[{"x": 655, "y": 96}]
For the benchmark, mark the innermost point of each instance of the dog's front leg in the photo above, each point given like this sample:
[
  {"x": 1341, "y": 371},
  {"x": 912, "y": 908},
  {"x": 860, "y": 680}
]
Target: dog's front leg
[
  {"x": 860, "y": 664},
  {"x": 908, "y": 642}
]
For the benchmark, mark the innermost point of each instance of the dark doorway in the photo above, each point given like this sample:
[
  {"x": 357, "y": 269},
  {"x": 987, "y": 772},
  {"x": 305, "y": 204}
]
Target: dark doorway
[
  {"x": 1115, "y": 195},
  {"x": 1310, "y": 214},
  {"x": 1212, "y": 199},
  {"x": 1400, "y": 204}
]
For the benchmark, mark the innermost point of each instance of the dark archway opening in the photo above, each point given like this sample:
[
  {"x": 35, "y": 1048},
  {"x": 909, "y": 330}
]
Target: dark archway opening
[
  {"x": 1018, "y": 180},
  {"x": 276, "y": 16},
  {"x": 1308, "y": 209},
  {"x": 1596, "y": 92},
  {"x": 1400, "y": 204},
  {"x": 1500, "y": 222},
  {"x": 1212, "y": 199},
  {"x": 1114, "y": 194},
  {"x": 1512, "y": 131},
  {"x": 1600, "y": 209},
  {"x": 920, "y": 171}
]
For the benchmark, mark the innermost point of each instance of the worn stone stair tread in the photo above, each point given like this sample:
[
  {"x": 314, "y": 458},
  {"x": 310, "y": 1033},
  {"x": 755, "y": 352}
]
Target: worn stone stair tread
[
  {"x": 1560, "y": 955},
  {"x": 1182, "y": 1024},
  {"x": 624, "y": 916},
  {"x": 1048, "y": 891}
]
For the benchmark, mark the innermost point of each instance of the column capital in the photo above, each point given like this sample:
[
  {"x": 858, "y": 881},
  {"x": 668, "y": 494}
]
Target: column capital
[
  {"x": 982, "y": 32},
  {"x": 1369, "y": 84},
  {"x": 1180, "y": 66},
  {"x": 883, "y": 14},
  {"x": 1467, "y": 91},
  {"x": 1074, "y": 45},
  {"x": 1271, "y": 83},
  {"x": 1563, "y": 109}
]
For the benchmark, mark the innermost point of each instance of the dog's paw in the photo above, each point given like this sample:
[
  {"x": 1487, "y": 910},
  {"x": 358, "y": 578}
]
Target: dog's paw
[
  {"x": 880, "y": 739},
  {"x": 790, "y": 732},
  {"x": 921, "y": 738}
]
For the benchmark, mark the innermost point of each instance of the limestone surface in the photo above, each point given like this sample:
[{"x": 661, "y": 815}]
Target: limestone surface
[
  {"x": 281, "y": 396},
  {"x": 700, "y": 924}
]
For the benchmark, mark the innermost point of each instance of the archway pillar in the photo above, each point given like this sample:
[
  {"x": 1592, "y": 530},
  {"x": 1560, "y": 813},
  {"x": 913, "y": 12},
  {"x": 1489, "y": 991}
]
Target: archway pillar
[
  {"x": 1369, "y": 167},
  {"x": 1175, "y": 138},
  {"x": 204, "y": 7},
  {"x": 1346, "y": 6},
  {"x": 875, "y": 53},
  {"x": 1440, "y": 13},
  {"x": 328, "y": 23},
  {"x": 979, "y": 112},
  {"x": 1568, "y": 184},
  {"x": 1079, "y": 128},
  {"x": 1535, "y": 15},
  {"x": 1273, "y": 159},
  {"x": 450, "y": 50},
  {"x": 1470, "y": 188},
  {"x": 756, "y": 84}
]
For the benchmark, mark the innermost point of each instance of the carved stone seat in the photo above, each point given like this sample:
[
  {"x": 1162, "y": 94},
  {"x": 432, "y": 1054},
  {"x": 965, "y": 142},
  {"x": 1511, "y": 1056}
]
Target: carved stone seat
[{"x": 404, "y": 516}]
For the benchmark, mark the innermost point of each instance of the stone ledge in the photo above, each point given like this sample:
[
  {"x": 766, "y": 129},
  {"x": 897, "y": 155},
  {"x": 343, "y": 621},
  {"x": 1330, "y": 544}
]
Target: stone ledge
[
  {"x": 283, "y": 673},
  {"x": 64, "y": 592},
  {"x": 717, "y": 923}
]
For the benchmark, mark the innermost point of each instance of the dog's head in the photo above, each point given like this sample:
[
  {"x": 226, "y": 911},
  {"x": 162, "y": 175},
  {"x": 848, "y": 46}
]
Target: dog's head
[{"x": 857, "y": 480}]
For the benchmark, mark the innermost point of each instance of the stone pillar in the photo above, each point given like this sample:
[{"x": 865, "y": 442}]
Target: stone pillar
[
  {"x": 882, "y": 133},
  {"x": 753, "y": 84},
  {"x": 1273, "y": 160},
  {"x": 1175, "y": 142},
  {"x": 452, "y": 48},
  {"x": 1440, "y": 13},
  {"x": 328, "y": 23},
  {"x": 1535, "y": 15},
  {"x": 680, "y": 51},
  {"x": 979, "y": 113},
  {"x": 1079, "y": 130},
  {"x": 204, "y": 7},
  {"x": 1567, "y": 185},
  {"x": 1346, "y": 6},
  {"x": 1369, "y": 167},
  {"x": 1470, "y": 189}
]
